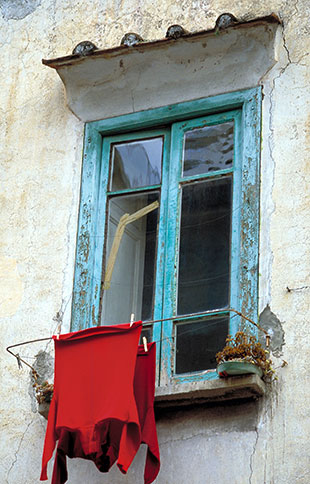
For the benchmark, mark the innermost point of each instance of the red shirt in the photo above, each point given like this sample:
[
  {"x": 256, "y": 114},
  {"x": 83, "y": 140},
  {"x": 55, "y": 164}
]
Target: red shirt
[
  {"x": 144, "y": 388},
  {"x": 93, "y": 412}
]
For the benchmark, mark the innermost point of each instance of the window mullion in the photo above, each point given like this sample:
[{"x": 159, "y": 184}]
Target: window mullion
[
  {"x": 235, "y": 231},
  {"x": 173, "y": 231},
  {"x": 249, "y": 218},
  {"x": 161, "y": 252},
  {"x": 171, "y": 259}
]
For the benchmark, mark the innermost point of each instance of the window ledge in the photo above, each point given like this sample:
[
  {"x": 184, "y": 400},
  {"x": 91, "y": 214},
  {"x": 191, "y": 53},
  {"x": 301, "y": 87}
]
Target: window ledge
[
  {"x": 233, "y": 388},
  {"x": 180, "y": 394}
]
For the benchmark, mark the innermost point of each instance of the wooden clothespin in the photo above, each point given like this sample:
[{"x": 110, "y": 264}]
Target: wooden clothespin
[
  {"x": 58, "y": 330},
  {"x": 132, "y": 317},
  {"x": 268, "y": 335},
  {"x": 144, "y": 340}
]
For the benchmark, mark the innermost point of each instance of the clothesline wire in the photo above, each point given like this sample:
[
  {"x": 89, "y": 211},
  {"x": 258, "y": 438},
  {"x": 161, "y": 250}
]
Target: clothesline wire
[
  {"x": 145, "y": 323},
  {"x": 189, "y": 331}
]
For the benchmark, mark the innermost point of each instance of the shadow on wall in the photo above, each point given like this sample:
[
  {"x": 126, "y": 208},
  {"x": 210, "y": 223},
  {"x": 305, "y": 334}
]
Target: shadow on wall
[{"x": 218, "y": 417}]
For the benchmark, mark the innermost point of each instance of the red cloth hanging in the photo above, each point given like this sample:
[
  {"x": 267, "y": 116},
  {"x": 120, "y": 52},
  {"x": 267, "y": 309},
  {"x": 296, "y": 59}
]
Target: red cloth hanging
[
  {"x": 144, "y": 388},
  {"x": 93, "y": 413}
]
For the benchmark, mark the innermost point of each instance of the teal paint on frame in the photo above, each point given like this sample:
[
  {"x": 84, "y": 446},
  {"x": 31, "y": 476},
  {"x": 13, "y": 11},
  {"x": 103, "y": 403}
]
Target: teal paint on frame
[
  {"x": 85, "y": 249},
  {"x": 176, "y": 180},
  {"x": 245, "y": 108},
  {"x": 133, "y": 190}
]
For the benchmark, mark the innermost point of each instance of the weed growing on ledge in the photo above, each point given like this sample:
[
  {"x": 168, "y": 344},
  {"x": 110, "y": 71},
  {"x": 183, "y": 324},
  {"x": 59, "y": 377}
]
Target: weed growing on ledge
[{"x": 244, "y": 347}]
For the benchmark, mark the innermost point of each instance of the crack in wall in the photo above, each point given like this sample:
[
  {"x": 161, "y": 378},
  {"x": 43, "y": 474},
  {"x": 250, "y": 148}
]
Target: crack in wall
[
  {"x": 205, "y": 434},
  {"x": 183, "y": 439},
  {"x": 295, "y": 7},
  {"x": 66, "y": 273},
  {"x": 286, "y": 49},
  {"x": 272, "y": 102},
  {"x": 263, "y": 418},
  {"x": 132, "y": 100},
  {"x": 269, "y": 93},
  {"x": 271, "y": 108},
  {"x": 252, "y": 455},
  {"x": 17, "y": 451}
]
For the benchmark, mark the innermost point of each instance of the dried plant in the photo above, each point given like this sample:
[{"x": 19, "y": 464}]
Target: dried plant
[
  {"x": 245, "y": 347},
  {"x": 44, "y": 391}
]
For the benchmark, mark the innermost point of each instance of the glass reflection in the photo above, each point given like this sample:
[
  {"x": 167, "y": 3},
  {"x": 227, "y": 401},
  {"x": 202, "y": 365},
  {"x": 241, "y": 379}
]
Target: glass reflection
[
  {"x": 204, "y": 256},
  {"x": 198, "y": 342},
  {"x": 136, "y": 164},
  {"x": 208, "y": 149},
  {"x": 133, "y": 278}
]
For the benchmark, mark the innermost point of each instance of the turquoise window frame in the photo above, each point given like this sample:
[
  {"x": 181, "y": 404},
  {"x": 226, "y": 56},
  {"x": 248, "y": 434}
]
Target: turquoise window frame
[{"x": 244, "y": 107}]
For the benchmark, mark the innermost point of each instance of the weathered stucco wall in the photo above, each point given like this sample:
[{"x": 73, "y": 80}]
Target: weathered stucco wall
[{"x": 262, "y": 442}]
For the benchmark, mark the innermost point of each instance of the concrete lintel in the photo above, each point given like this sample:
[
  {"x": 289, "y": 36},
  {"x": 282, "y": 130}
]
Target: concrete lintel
[
  {"x": 123, "y": 80},
  {"x": 233, "y": 388}
]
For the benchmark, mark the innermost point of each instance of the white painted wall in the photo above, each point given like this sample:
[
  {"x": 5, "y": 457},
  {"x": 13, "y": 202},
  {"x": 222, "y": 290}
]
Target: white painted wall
[{"x": 263, "y": 442}]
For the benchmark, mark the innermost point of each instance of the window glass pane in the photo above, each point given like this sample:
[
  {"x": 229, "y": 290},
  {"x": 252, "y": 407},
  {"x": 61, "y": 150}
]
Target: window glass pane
[
  {"x": 197, "y": 344},
  {"x": 136, "y": 164},
  {"x": 208, "y": 149},
  {"x": 204, "y": 255},
  {"x": 133, "y": 277}
]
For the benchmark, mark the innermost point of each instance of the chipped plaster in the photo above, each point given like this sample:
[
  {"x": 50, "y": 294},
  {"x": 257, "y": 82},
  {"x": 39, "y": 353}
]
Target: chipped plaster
[
  {"x": 269, "y": 321},
  {"x": 18, "y": 9},
  {"x": 44, "y": 366}
]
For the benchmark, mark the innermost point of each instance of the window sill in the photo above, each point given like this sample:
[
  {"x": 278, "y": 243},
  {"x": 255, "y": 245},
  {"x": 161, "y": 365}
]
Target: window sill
[
  {"x": 233, "y": 388},
  {"x": 181, "y": 394}
]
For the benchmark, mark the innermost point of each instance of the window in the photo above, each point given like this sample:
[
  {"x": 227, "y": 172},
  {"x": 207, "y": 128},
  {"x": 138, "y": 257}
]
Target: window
[{"x": 168, "y": 227}]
